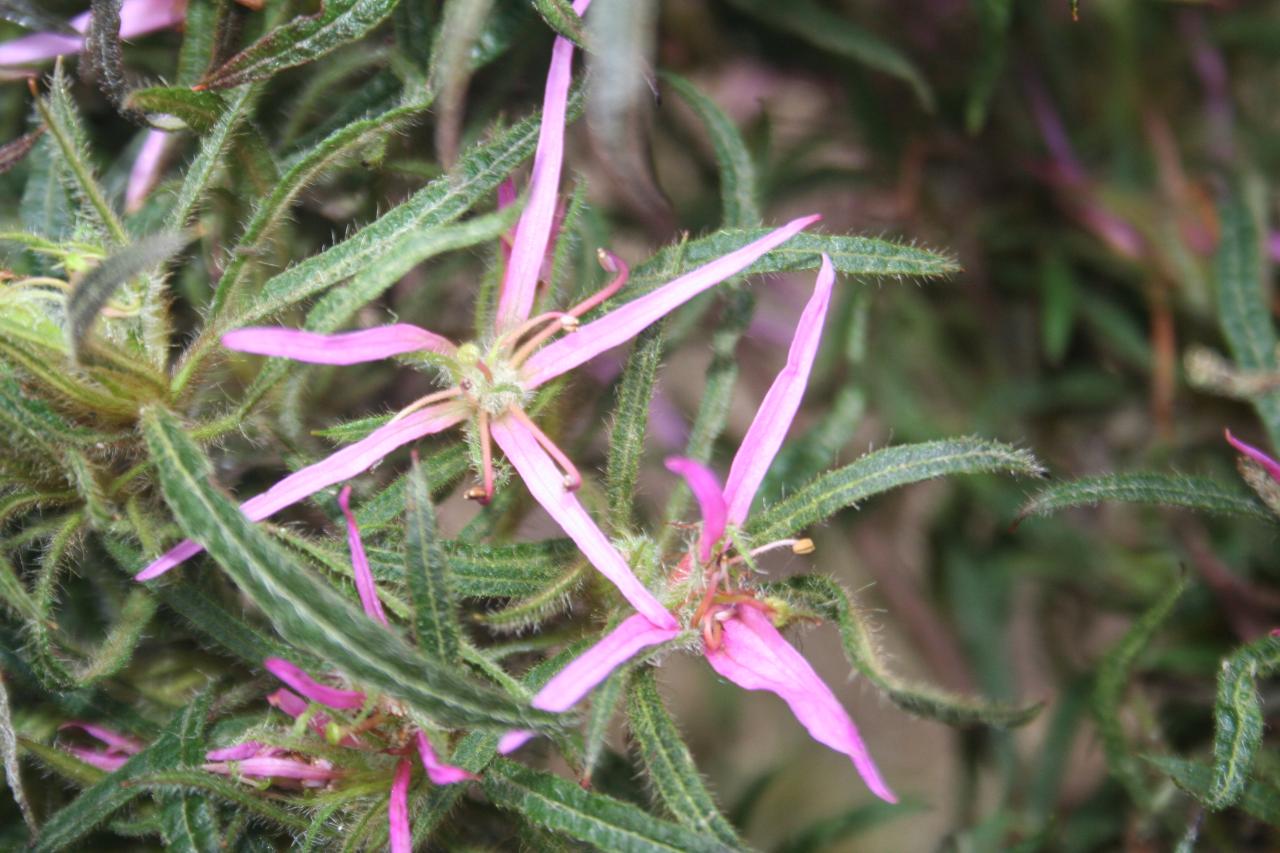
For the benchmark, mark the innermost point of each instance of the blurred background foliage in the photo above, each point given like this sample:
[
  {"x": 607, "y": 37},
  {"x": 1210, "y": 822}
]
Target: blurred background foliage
[{"x": 1088, "y": 176}]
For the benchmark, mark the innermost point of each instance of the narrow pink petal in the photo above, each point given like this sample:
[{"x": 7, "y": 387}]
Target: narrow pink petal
[
  {"x": 512, "y": 741},
  {"x": 755, "y": 656},
  {"x": 706, "y": 488},
  {"x": 507, "y": 193},
  {"x": 398, "y": 810},
  {"x": 239, "y": 752},
  {"x": 146, "y": 169},
  {"x": 626, "y": 321},
  {"x": 271, "y": 767},
  {"x": 546, "y": 483},
  {"x": 533, "y": 231},
  {"x": 101, "y": 760},
  {"x": 439, "y": 772},
  {"x": 343, "y": 465},
  {"x": 580, "y": 677},
  {"x": 288, "y": 702},
  {"x": 342, "y": 348},
  {"x": 115, "y": 741},
  {"x": 365, "y": 584},
  {"x": 1272, "y": 466},
  {"x": 137, "y": 17},
  {"x": 764, "y": 437},
  {"x": 38, "y": 47},
  {"x": 633, "y": 634},
  {"x": 312, "y": 689}
]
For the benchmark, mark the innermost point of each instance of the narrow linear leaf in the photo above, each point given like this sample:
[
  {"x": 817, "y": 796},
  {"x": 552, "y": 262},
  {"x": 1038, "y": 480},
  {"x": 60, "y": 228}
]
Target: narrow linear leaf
[
  {"x": 851, "y": 255},
  {"x": 832, "y": 32},
  {"x": 562, "y": 806},
  {"x": 630, "y": 423},
  {"x": 739, "y": 193},
  {"x": 213, "y": 154},
  {"x": 1244, "y": 300},
  {"x": 102, "y": 49},
  {"x": 303, "y": 39},
  {"x": 93, "y": 291},
  {"x": 604, "y": 707},
  {"x": 9, "y": 758},
  {"x": 199, "y": 111},
  {"x": 883, "y": 470},
  {"x": 1237, "y": 719},
  {"x": 1259, "y": 798},
  {"x": 1109, "y": 685},
  {"x": 435, "y": 618},
  {"x": 560, "y": 16},
  {"x": 12, "y": 153},
  {"x": 102, "y": 799},
  {"x": 1197, "y": 493},
  {"x": 668, "y": 763},
  {"x": 199, "y": 780},
  {"x": 823, "y": 597},
  {"x": 310, "y": 614}
]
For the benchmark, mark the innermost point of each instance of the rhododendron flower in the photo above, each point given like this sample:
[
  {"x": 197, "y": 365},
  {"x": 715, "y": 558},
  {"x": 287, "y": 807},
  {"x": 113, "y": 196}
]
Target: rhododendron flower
[
  {"x": 491, "y": 381},
  {"x": 1269, "y": 464},
  {"x": 137, "y": 18},
  {"x": 739, "y": 639}
]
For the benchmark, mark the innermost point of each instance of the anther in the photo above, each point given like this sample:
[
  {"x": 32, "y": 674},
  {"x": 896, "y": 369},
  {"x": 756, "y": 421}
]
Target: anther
[
  {"x": 476, "y": 493},
  {"x": 803, "y": 546}
]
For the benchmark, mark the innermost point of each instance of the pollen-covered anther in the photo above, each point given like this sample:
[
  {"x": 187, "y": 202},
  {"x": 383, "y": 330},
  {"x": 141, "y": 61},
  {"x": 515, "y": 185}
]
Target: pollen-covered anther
[{"x": 803, "y": 546}]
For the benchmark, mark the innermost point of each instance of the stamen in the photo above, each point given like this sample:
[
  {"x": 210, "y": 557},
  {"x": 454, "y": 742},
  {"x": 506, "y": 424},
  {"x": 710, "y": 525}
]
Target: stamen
[
  {"x": 611, "y": 263},
  {"x": 484, "y": 494},
  {"x": 565, "y": 323},
  {"x": 572, "y": 479},
  {"x": 797, "y": 546},
  {"x": 423, "y": 402},
  {"x": 513, "y": 336}
]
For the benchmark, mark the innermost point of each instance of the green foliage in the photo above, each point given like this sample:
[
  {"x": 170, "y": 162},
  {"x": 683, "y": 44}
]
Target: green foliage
[
  {"x": 1197, "y": 493},
  {"x": 882, "y": 470},
  {"x": 1237, "y": 719},
  {"x": 435, "y": 623}
]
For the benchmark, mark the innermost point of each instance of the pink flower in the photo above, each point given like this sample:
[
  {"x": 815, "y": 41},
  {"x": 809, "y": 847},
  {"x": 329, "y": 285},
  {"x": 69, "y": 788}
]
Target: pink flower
[
  {"x": 738, "y": 636},
  {"x": 1271, "y": 466},
  {"x": 137, "y": 18},
  {"x": 146, "y": 169},
  {"x": 119, "y": 747},
  {"x": 492, "y": 381}
]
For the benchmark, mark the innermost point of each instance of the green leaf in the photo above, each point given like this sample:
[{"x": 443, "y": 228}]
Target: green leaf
[
  {"x": 1259, "y": 798},
  {"x": 603, "y": 822},
  {"x": 739, "y": 194},
  {"x": 560, "y": 16},
  {"x": 305, "y": 170},
  {"x": 435, "y": 618},
  {"x": 630, "y": 422},
  {"x": 994, "y": 17},
  {"x": 883, "y": 470},
  {"x": 46, "y": 207},
  {"x": 9, "y": 758},
  {"x": 222, "y": 789},
  {"x": 1237, "y": 719},
  {"x": 199, "y": 111},
  {"x": 214, "y": 148},
  {"x": 1198, "y": 493},
  {"x": 303, "y": 39},
  {"x": 1112, "y": 678},
  {"x": 309, "y": 614},
  {"x": 102, "y": 49},
  {"x": 833, "y": 32},
  {"x": 850, "y": 255},
  {"x": 668, "y": 763},
  {"x": 604, "y": 706},
  {"x": 99, "y": 801},
  {"x": 1244, "y": 298},
  {"x": 818, "y": 595},
  {"x": 507, "y": 571},
  {"x": 93, "y": 291},
  {"x": 60, "y": 117}
]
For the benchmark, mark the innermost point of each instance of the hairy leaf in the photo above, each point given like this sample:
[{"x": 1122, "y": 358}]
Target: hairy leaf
[
  {"x": 307, "y": 613},
  {"x": 603, "y": 822},
  {"x": 821, "y": 596},
  {"x": 1197, "y": 493},
  {"x": 435, "y": 619},
  {"x": 560, "y": 16},
  {"x": 668, "y": 763},
  {"x": 630, "y": 423},
  {"x": 1237, "y": 719},
  {"x": 739, "y": 194},
  {"x": 199, "y": 111},
  {"x": 883, "y": 470},
  {"x": 303, "y": 39},
  {"x": 1259, "y": 798}
]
